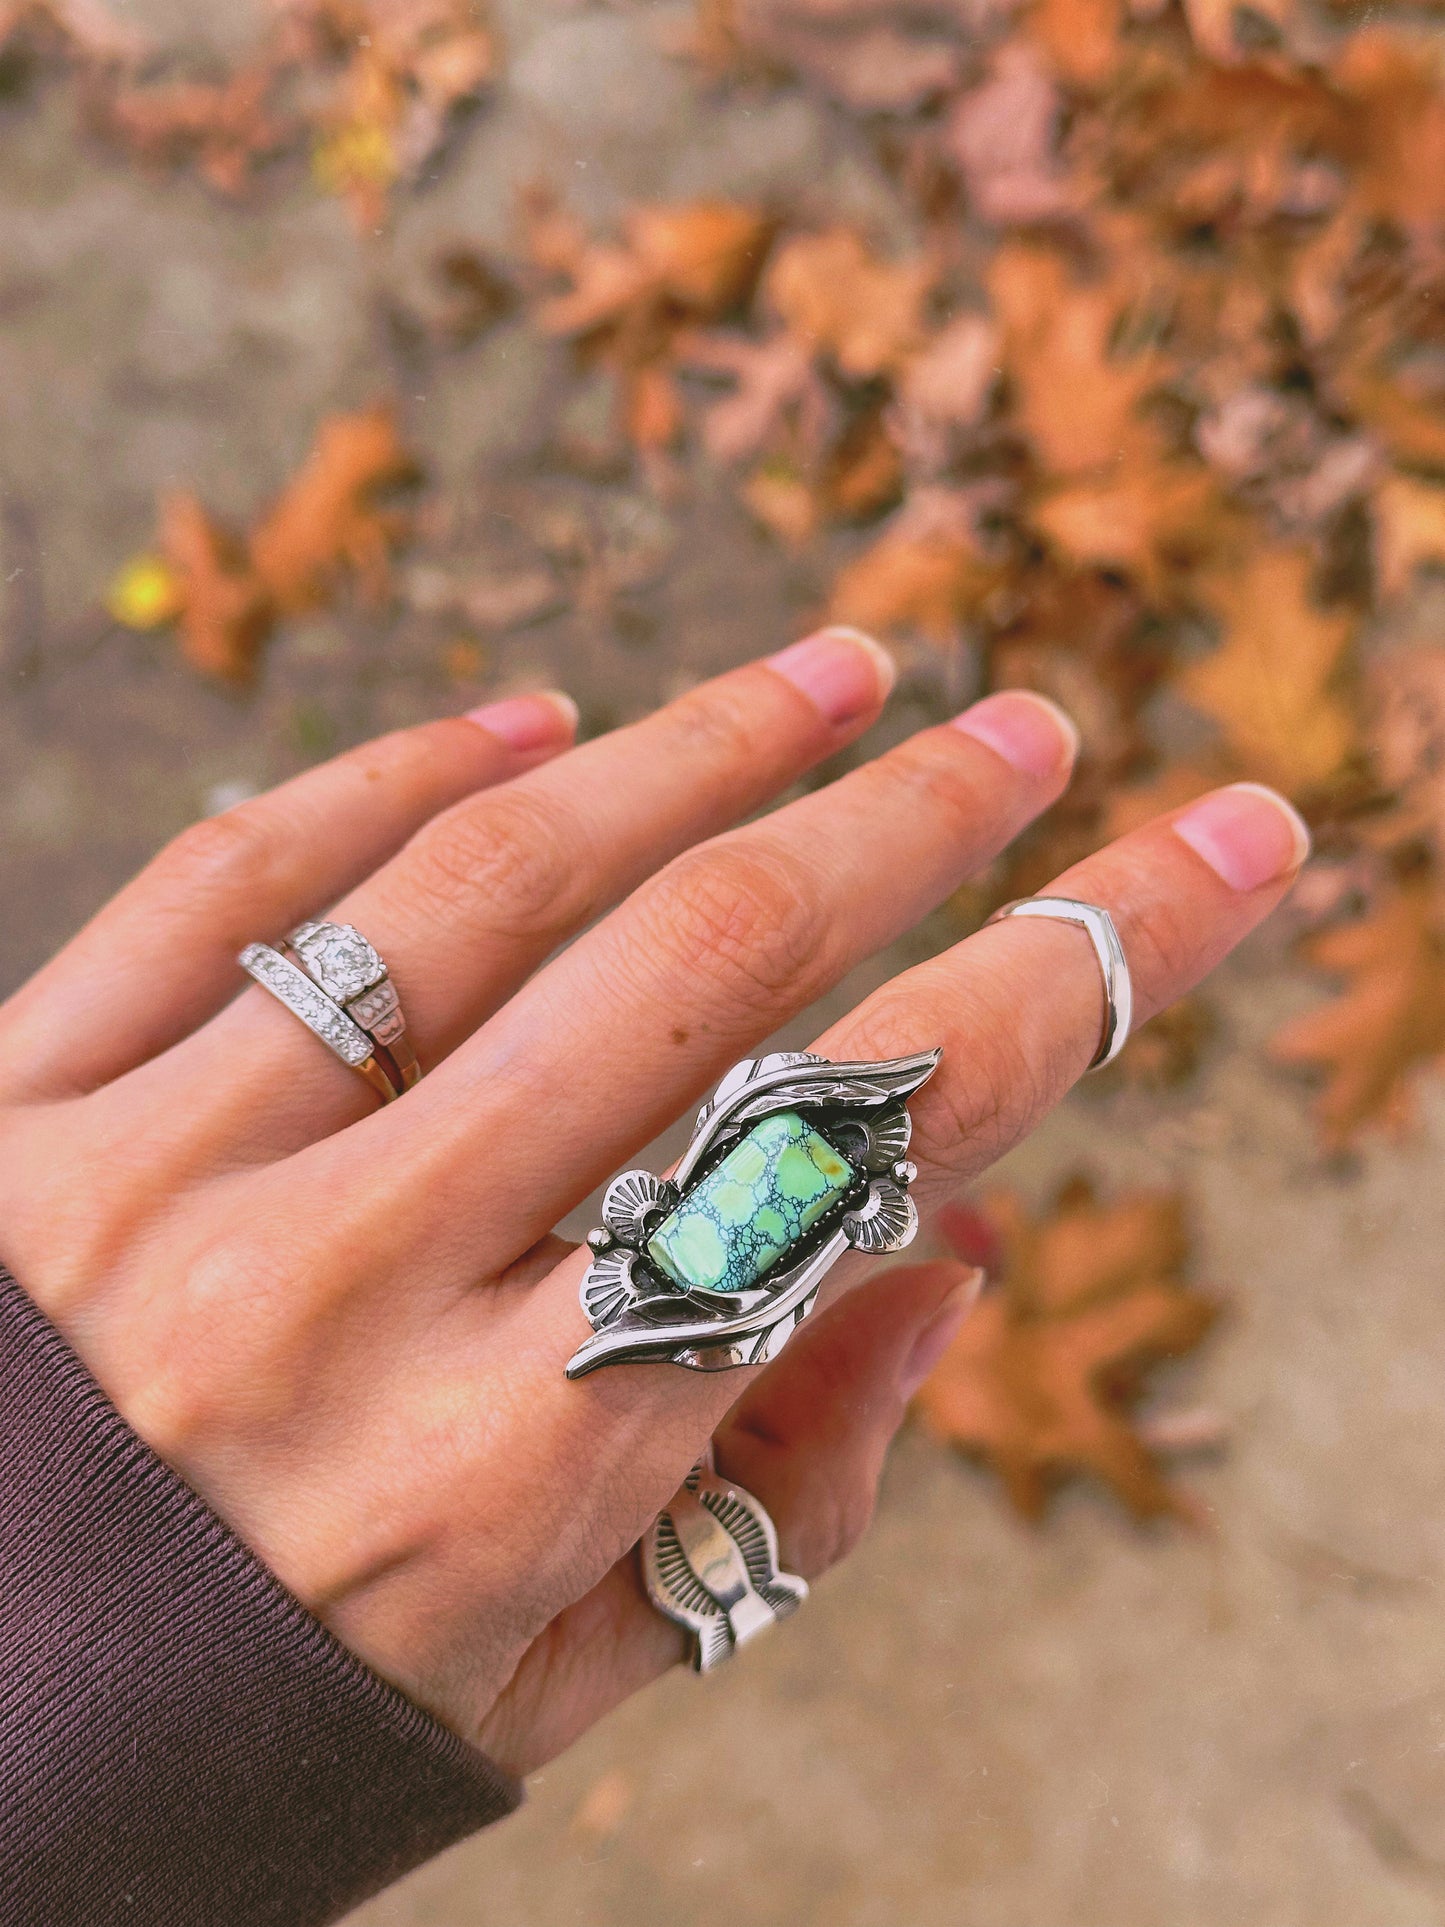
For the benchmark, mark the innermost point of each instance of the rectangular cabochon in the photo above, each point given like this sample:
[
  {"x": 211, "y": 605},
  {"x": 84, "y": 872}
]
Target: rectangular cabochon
[{"x": 752, "y": 1207}]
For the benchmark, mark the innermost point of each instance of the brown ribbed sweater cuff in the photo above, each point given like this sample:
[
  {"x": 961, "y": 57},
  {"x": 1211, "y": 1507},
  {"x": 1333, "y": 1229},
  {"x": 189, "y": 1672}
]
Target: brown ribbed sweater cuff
[{"x": 181, "y": 1743}]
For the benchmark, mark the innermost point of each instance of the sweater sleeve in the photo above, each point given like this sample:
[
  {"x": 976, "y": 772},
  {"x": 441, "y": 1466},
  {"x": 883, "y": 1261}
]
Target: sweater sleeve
[{"x": 181, "y": 1743}]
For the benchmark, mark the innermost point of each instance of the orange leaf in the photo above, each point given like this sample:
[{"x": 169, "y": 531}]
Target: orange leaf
[
  {"x": 1272, "y": 683},
  {"x": 326, "y": 516},
  {"x": 1387, "y": 1023},
  {"x": 1040, "y": 1381},
  {"x": 865, "y": 313},
  {"x": 1409, "y": 531},
  {"x": 224, "y": 609},
  {"x": 1077, "y": 402}
]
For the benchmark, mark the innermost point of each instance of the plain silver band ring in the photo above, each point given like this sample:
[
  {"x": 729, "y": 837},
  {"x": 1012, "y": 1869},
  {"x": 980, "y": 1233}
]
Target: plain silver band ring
[{"x": 1098, "y": 926}]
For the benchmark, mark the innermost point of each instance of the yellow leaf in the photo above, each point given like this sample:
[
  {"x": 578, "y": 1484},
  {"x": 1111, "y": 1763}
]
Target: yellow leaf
[{"x": 146, "y": 593}]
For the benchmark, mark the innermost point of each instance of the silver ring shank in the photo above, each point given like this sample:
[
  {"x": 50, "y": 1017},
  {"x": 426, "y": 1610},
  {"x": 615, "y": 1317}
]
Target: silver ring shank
[{"x": 1099, "y": 927}]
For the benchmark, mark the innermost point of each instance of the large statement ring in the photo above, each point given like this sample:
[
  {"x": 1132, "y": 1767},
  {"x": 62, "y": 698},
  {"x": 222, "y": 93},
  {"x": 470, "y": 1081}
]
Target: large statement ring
[
  {"x": 710, "y": 1563},
  {"x": 793, "y": 1162},
  {"x": 337, "y": 985},
  {"x": 1098, "y": 926}
]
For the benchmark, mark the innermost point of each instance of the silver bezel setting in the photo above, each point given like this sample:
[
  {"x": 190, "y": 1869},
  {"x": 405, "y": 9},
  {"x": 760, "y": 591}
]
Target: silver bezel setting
[{"x": 638, "y": 1314}]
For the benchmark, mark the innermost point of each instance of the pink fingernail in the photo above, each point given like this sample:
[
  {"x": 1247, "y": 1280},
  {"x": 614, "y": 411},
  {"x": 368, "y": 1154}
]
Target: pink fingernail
[
  {"x": 938, "y": 1334},
  {"x": 1030, "y": 732},
  {"x": 1247, "y": 834},
  {"x": 545, "y": 719},
  {"x": 842, "y": 672}
]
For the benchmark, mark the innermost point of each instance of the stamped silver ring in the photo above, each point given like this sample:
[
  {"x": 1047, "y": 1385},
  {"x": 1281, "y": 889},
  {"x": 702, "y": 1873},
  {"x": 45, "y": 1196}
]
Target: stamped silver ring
[
  {"x": 793, "y": 1161},
  {"x": 710, "y": 1563},
  {"x": 1098, "y": 926},
  {"x": 305, "y": 994}
]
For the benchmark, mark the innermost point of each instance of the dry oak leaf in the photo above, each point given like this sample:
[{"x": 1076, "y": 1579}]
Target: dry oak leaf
[
  {"x": 1394, "y": 86},
  {"x": 1409, "y": 531},
  {"x": 1077, "y": 402},
  {"x": 327, "y": 518},
  {"x": 923, "y": 576},
  {"x": 863, "y": 313},
  {"x": 224, "y": 609},
  {"x": 1387, "y": 1024},
  {"x": 1042, "y": 1377},
  {"x": 1003, "y": 135},
  {"x": 1271, "y": 685},
  {"x": 683, "y": 263},
  {"x": 226, "y": 129},
  {"x": 1081, "y": 37},
  {"x": 1150, "y": 523},
  {"x": 1407, "y": 737}
]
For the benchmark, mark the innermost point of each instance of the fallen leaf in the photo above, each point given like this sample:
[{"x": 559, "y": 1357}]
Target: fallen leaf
[
  {"x": 864, "y": 313},
  {"x": 1388, "y": 1023},
  {"x": 1409, "y": 520},
  {"x": 1273, "y": 684},
  {"x": 923, "y": 576},
  {"x": 1041, "y": 1381},
  {"x": 223, "y": 608},
  {"x": 327, "y": 518},
  {"x": 1075, "y": 399},
  {"x": 1002, "y": 135},
  {"x": 1152, "y": 523}
]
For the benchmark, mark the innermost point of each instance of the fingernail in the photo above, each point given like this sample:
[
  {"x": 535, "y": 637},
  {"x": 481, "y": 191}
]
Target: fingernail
[
  {"x": 1247, "y": 834},
  {"x": 842, "y": 672},
  {"x": 544, "y": 719},
  {"x": 938, "y": 1334},
  {"x": 1028, "y": 730}
]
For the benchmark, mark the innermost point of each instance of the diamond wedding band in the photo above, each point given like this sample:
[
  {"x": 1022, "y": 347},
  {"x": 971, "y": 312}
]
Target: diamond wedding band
[{"x": 337, "y": 984}]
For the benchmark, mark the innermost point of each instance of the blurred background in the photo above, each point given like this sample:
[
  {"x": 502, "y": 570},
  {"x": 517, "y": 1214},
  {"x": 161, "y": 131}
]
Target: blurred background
[{"x": 361, "y": 359}]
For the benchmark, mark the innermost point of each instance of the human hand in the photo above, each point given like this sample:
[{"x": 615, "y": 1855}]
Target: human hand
[{"x": 347, "y": 1326}]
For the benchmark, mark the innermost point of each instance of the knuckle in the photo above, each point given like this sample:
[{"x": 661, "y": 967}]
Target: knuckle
[
  {"x": 715, "y": 726},
  {"x": 511, "y": 859},
  {"x": 233, "y": 852},
  {"x": 740, "y": 917}
]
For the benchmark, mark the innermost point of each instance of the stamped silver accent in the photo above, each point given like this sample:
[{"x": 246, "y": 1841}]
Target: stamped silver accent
[
  {"x": 639, "y": 1314},
  {"x": 710, "y": 1563},
  {"x": 306, "y": 1000}
]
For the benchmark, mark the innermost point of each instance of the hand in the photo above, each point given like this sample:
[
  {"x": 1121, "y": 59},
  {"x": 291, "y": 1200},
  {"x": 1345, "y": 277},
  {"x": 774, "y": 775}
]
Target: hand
[{"x": 347, "y": 1325}]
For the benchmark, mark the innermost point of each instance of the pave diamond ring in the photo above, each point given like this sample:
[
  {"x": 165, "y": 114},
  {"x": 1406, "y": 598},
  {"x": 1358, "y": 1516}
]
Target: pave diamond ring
[
  {"x": 337, "y": 985},
  {"x": 339, "y": 960}
]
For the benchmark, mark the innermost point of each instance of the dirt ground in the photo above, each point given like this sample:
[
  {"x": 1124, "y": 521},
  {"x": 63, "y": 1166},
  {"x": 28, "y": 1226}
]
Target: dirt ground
[{"x": 973, "y": 1723}]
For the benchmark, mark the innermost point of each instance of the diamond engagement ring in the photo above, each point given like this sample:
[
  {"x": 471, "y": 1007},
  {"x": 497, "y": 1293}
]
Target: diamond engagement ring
[
  {"x": 1098, "y": 926},
  {"x": 336, "y": 983},
  {"x": 793, "y": 1162},
  {"x": 710, "y": 1563}
]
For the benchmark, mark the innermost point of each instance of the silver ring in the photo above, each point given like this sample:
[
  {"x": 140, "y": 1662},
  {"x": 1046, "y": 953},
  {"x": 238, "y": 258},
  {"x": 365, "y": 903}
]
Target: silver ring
[
  {"x": 793, "y": 1162},
  {"x": 340, "y": 962},
  {"x": 710, "y": 1564},
  {"x": 1098, "y": 925}
]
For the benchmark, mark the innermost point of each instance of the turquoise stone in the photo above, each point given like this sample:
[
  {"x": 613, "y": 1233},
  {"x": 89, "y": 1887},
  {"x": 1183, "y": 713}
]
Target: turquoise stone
[{"x": 751, "y": 1208}]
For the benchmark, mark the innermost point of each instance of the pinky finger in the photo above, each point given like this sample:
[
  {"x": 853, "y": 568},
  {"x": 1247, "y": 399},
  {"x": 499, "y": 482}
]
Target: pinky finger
[{"x": 808, "y": 1438}]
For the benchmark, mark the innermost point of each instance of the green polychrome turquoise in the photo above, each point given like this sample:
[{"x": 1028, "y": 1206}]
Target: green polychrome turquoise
[{"x": 751, "y": 1208}]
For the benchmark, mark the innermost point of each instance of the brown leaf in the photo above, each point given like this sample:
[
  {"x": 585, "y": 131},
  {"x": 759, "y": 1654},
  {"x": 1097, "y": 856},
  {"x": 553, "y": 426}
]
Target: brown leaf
[
  {"x": 225, "y": 610},
  {"x": 1387, "y": 1023},
  {"x": 1407, "y": 736},
  {"x": 1002, "y": 135},
  {"x": 923, "y": 576},
  {"x": 1409, "y": 531},
  {"x": 326, "y": 518},
  {"x": 1272, "y": 684},
  {"x": 1151, "y": 523},
  {"x": 1042, "y": 1377},
  {"x": 863, "y": 313},
  {"x": 1075, "y": 399}
]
